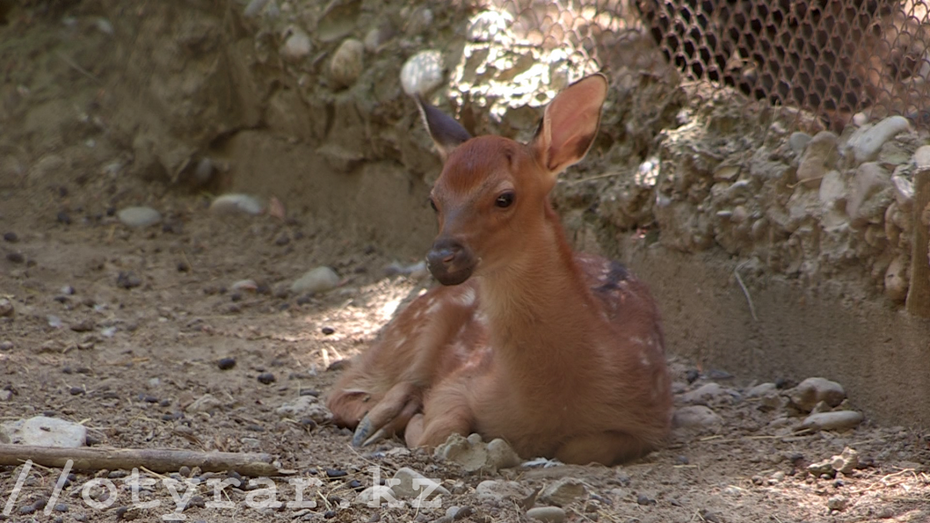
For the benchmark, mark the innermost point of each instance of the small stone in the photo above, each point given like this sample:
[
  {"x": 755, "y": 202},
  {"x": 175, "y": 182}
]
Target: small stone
[
  {"x": 10, "y": 237},
  {"x": 139, "y": 216},
  {"x": 814, "y": 390},
  {"x": 5, "y": 395},
  {"x": 305, "y": 407},
  {"x": 422, "y": 73},
  {"x": 798, "y": 141},
  {"x": 236, "y": 203},
  {"x": 335, "y": 473},
  {"x": 44, "y": 431},
  {"x": 266, "y": 378},
  {"x": 867, "y": 141},
  {"x": 846, "y": 462},
  {"x": 837, "y": 420},
  {"x": 870, "y": 194},
  {"x": 63, "y": 217},
  {"x": 645, "y": 500},
  {"x": 501, "y": 455},
  {"x": 347, "y": 62},
  {"x": 820, "y": 156},
  {"x": 922, "y": 157},
  {"x": 377, "y": 37},
  {"x": 15, "y": 257},
  {"x": 548, "y": 514},
  {"x": 327, "y": 330},
  {"x": 6, "y": 308},
  {"x": 563, "y": 492},
  {"x": 318, "y": 280},
  {"x": 499, "y": 490},
  {"x": 696, "y": 416},
  {"x": 83, "y": 326},
  {"x": 244, "y": 285},
  {"x": 836, "y": 503},
  {"x": 226, "y": 363},
  {"x": 204, "y": 171},
  {"x": 896, "y": 281},
  {"x": 297, "y": 46},
  {"x": 760, "y": 390},
  {"x": 76, "y": 391},
  {"x": 128, "y": 280},
  {"x": 406, "y": 489},
  {"x": 707, "y": 392}
]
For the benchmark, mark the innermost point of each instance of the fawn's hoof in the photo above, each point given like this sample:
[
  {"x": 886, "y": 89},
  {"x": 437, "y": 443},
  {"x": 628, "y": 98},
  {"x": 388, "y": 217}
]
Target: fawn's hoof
[{"x": 365, "y": 433}]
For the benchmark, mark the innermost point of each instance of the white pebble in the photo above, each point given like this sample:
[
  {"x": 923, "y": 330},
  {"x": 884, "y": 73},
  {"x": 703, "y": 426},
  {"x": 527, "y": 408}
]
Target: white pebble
[
  {"x": 866, "y": 142},
  {"x": 297, "y": 46},
  {"x": 321, "y": 279},
  {"x": 139, "y": 216},
  {"x": 347, "y": 62},
  {"x": 237, "y": 203},
  {"x": 838, "y": 420},
  {"x": 422, "y": 73},
  {"x": 549, "y": 514}
]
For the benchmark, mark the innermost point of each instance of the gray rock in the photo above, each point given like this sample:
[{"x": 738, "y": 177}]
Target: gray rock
[
  {"x": 832, "y": 193},
  {"x": 347, "y": 62},
  {"x": 696, "y": 416},
  {"x": 760, "y": 390},
  {"x": 819, "y": 157},
  {"x": 44, "y": 431},
  {"x": 922, "y": 157},
  {"x": 6, "y": 395},
  {"x": 422, "y": 73},
  {"x": 548, "y": 514},
  {"x": 320, "y": 279},
  {"x": 297, "y": 46},
  {"x": 846, "y": 462},
  {"x": 473, "y": 454},
  {"x": 896, "y": 280},
  {"x": 867, "y": 141},
  {"x": 708, "y": 392},
  {"x": 375, "y": 495},
  {"x": 377, "y": 37},
  {"x": 305, "y": 407},
  {"x": 412, "y": 484},
  {"x": 837, "y": 503},
  {"x": 811, "y": 391},
  {"x": 6, "y": 308},
  {"x": 236, "y": 203},
  {"x": 838, "y": 420},
  {"x": 499, "y": 490},
  {"x": 563, "y": 492},
  {"x": 798, "y": 141},
  {"x": 870, "y": 194},
  {"x": 139, "y": 216}
]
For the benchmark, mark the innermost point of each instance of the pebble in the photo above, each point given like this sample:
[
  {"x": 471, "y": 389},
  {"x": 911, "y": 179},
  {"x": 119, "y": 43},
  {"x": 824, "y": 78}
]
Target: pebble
[
  {"x": 645, "y": 500},
  {"x": 406, "y": 489},
  {"x": 307, "y": 407},
  {"x": 377, "y": 37},
  {"x": 16, "y": 257},
  {"x": 867, "y": 141},
  {"x": 347, "y": 62},
  {"x": 846, "y": 462},
  {"x": 139, "y": 216},
  {"x": 549, "y": 514},
  {"x": 838, "y": 420},
  {"x": 820, "y": 156},
  {"x": 696, "y": 416},
  {"x": 327, "y": 330},
  {"x": 6, "y": 308},
  {"x": 226, "y": 363},
  {"x": 128, "y": 280},
  {"x": 896, "y": 282},
  {"x": 836, "y": 503},
  {"x": 64, "y": 218},
  {"x": 761, "y": 390},
  {"x": 266, "y": 378},
  {"x": 422, "y": 73},
  {"x": 297, "y": 46},
  {"x": 320, "y": 279},
  {"x": 798, "y": 141},
  {"x": 472, "y": 454},
  {"x": 5, "y": 395},
  {"x": 500, "y": 490},
  {"x": 44, "y": 431},
  {"x": 10, "y": 237},
  {"x": 236, "y": 203},
  {"x": 807, "y": 394},
  {"x": 922, "y": 157},
  {"x": 563, "y": 492},
  {"x": 83, "y": 326}
]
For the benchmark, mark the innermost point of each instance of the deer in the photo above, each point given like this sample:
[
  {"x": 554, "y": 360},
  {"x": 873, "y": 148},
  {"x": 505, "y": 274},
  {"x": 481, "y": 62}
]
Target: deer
[{"x": 559, "y": 353}]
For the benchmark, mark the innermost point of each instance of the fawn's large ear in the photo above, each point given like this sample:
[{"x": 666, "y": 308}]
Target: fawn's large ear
[
  {"x": 446, "y": 133},
  {"x": 570, "y": 124}
]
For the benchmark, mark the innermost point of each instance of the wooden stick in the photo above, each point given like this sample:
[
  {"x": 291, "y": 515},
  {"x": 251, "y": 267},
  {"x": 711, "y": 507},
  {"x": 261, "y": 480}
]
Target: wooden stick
[{"x": 158, "y": 460}]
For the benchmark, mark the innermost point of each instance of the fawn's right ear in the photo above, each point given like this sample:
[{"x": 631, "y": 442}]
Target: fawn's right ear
[{"x": 446, "y": 133}]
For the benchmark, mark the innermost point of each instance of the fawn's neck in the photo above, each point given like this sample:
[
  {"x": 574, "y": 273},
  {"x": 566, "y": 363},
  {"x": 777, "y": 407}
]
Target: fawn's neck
[{"x": 539, "y": 308}]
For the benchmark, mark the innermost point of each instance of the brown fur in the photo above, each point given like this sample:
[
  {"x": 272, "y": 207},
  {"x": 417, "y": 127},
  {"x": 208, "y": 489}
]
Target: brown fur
[{"x": 559, "y": 353}]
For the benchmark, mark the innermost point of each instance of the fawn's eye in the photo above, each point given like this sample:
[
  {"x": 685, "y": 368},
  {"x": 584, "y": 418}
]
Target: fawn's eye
[
  {"x": 504, "y": 200},
  {"x": 432, "y": 203}
]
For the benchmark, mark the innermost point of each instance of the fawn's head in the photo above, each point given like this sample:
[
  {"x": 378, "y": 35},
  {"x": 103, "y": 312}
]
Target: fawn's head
[{"x": 491, "y": 198}]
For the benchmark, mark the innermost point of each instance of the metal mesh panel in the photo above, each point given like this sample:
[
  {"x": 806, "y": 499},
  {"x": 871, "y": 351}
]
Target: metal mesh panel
[{"x": 834, "y": 58}]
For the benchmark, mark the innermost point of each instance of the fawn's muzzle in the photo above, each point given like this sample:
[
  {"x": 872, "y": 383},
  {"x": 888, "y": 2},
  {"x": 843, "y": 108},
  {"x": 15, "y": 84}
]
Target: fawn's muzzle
[{"x": 450, "y": 262}]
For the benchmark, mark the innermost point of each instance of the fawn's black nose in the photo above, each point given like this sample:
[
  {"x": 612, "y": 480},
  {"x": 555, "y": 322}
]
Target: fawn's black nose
[{"x": 450, "y": 262}]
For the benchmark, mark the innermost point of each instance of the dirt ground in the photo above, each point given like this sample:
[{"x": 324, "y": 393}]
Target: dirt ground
[
  {"x": 128, "y": 363},
  {"x": 122, "y": 330}
]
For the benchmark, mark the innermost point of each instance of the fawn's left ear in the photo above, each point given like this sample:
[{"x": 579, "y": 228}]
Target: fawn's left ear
[
  {"x": 570, "y": 124},
  {"x": 446, "y": 133}
]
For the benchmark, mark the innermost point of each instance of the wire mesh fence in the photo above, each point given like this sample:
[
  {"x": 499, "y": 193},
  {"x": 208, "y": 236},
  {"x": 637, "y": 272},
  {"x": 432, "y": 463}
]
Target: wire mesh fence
[{"x": 834, "y": 58}]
